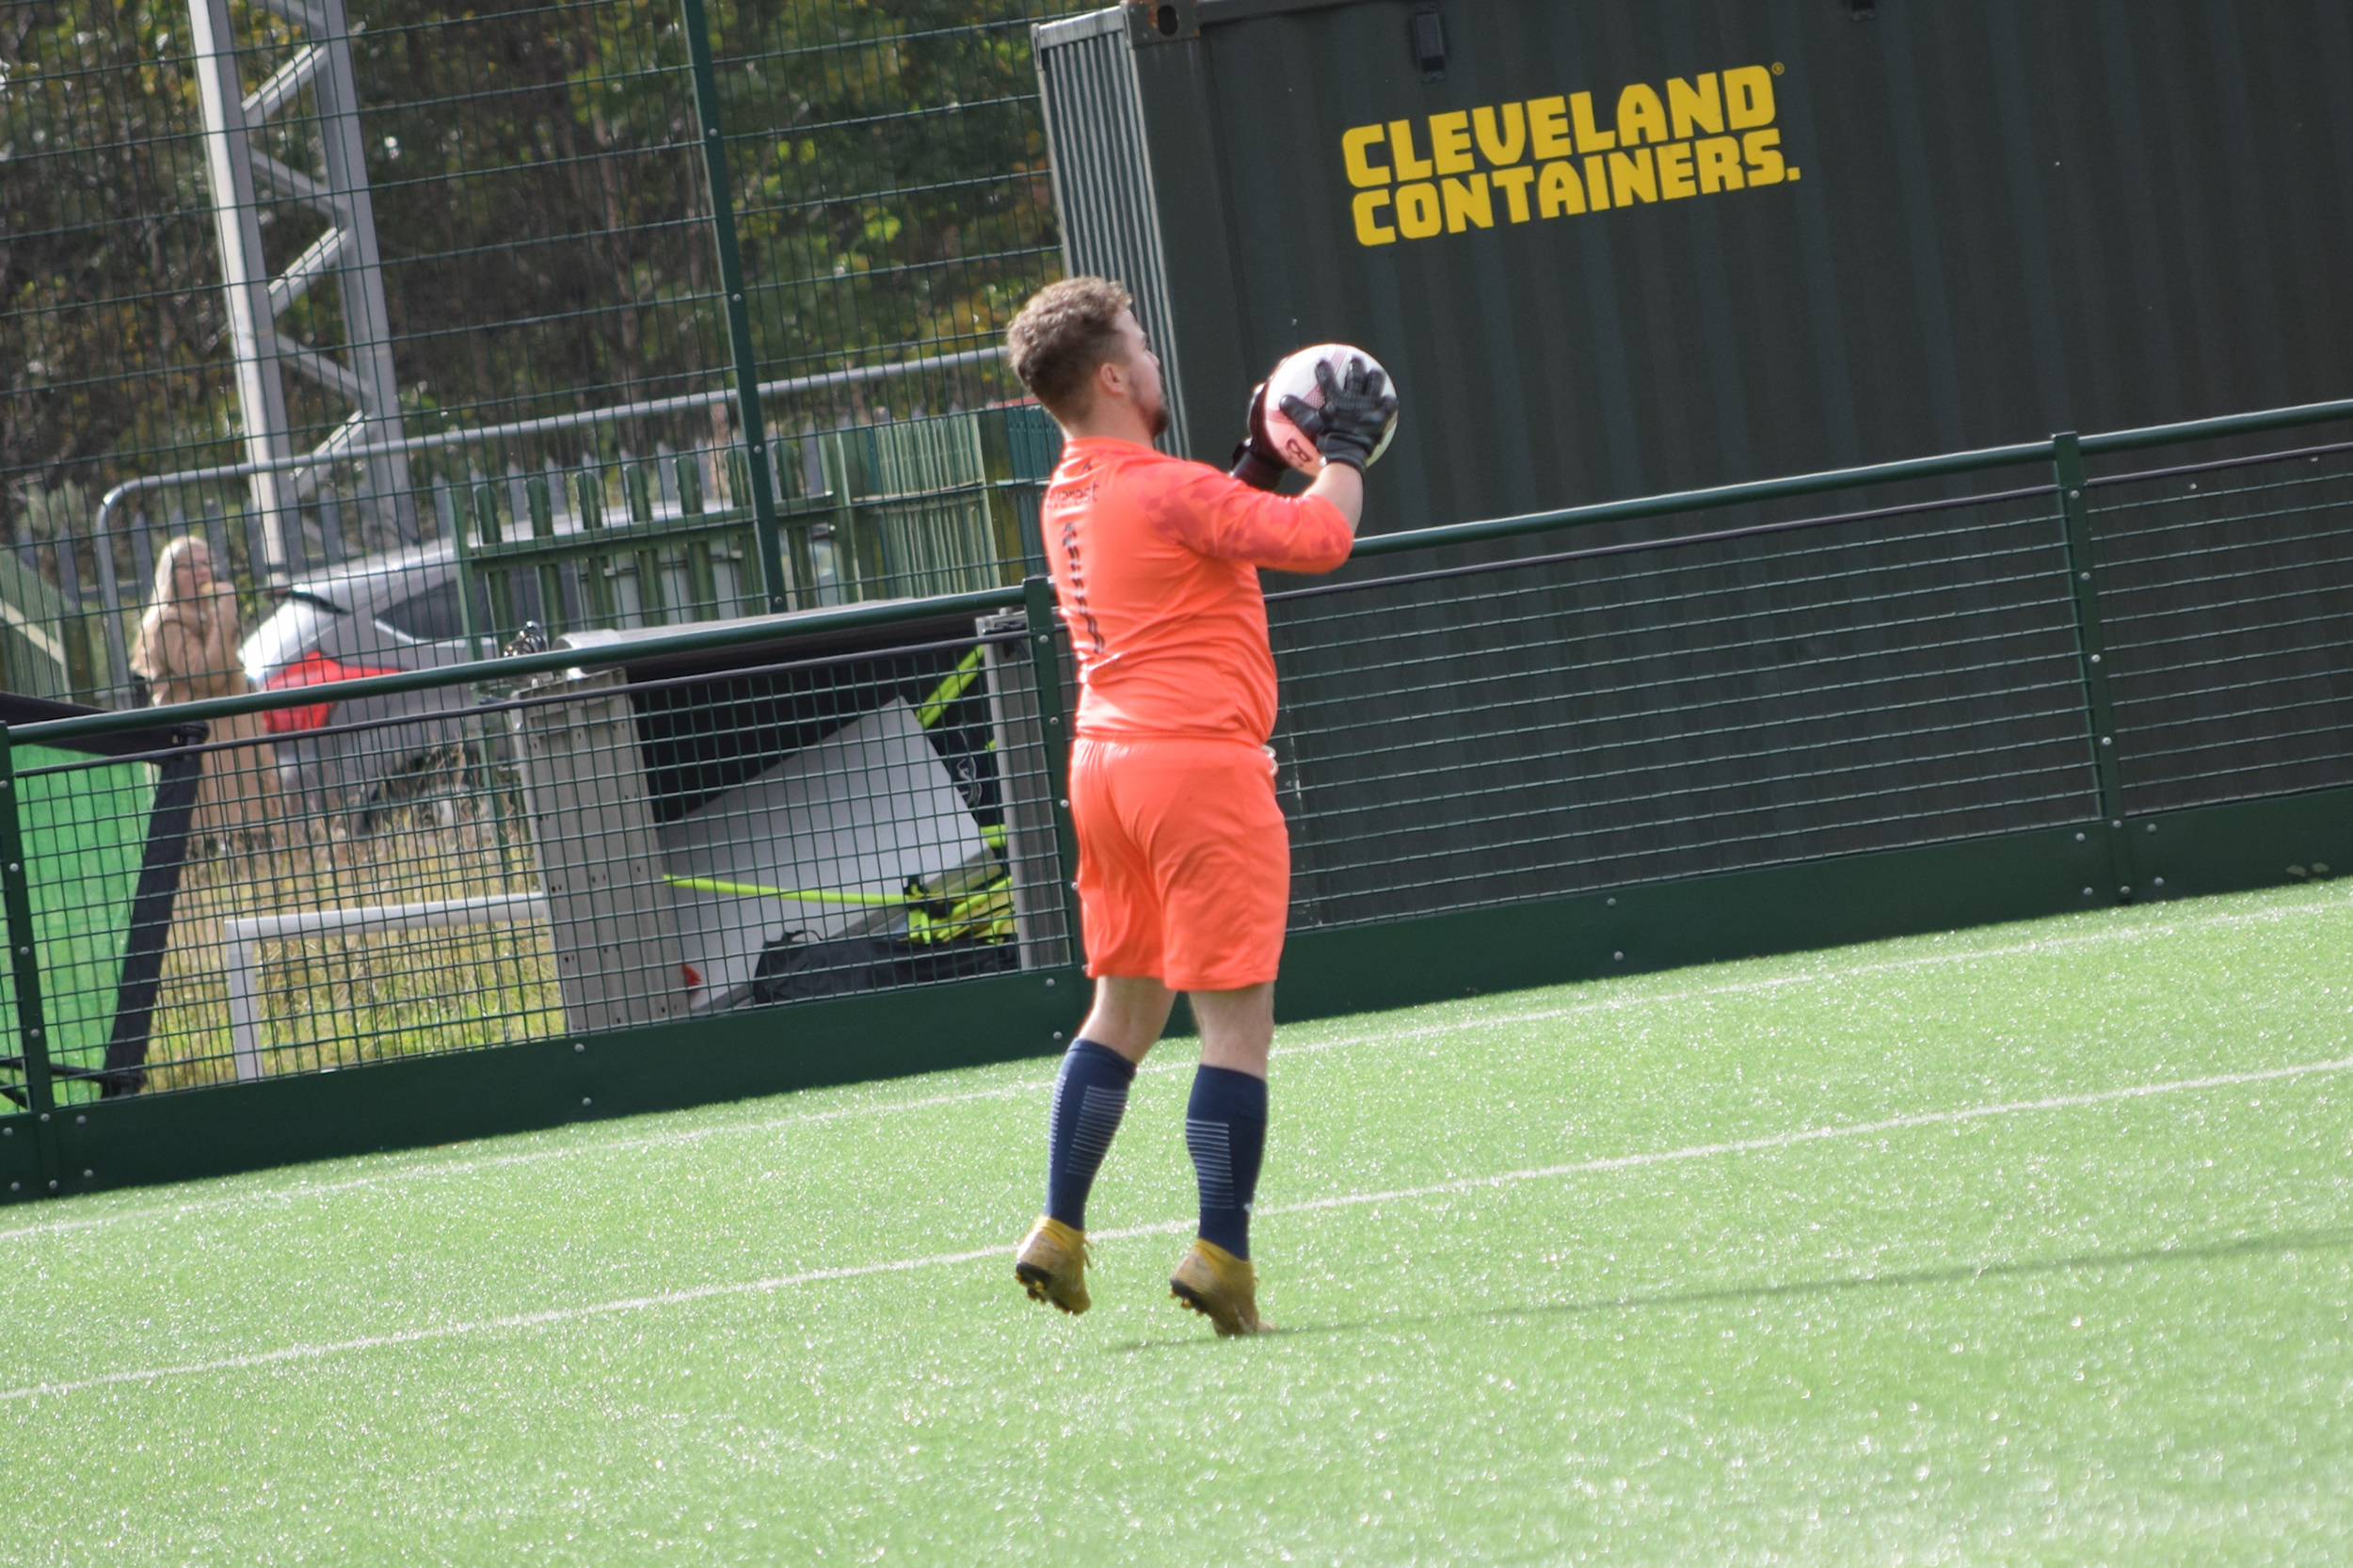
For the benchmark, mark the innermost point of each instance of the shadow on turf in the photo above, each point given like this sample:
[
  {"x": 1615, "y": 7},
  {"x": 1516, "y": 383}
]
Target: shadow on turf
[{"x": 1716, "y": 1295}]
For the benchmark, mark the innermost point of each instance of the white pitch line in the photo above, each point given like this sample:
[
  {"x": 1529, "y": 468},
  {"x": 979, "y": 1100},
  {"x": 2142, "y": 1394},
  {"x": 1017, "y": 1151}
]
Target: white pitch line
[
  {"x": 1820, "y": 1134},
  {"x": 492, "y": 1325},
  {"x": 1164, "y": 1227},
  {"x": 811, "y": 1118}
]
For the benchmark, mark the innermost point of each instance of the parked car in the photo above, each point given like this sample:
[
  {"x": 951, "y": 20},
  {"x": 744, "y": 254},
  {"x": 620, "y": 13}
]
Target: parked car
[{"x": 372, "y": 616}]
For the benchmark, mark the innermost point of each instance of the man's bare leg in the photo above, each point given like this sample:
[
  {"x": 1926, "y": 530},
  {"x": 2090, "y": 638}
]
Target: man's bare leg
[
  {"x": 1129, "y": 1014},
  {"x": 1237, "y": 1028}
]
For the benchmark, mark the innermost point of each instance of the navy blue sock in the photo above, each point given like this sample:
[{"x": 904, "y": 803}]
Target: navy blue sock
[
  {"x": 1226, "y": 1132},
  {"x": 1090, "y": 1096}
]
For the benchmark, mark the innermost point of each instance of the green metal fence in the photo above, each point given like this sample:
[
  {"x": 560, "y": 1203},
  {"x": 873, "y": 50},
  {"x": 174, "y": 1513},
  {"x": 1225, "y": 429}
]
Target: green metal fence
[
  {"x": 336, "y": 287},
  {"x": 908, "y": 508},
  {"x": 668, "y": 865}
]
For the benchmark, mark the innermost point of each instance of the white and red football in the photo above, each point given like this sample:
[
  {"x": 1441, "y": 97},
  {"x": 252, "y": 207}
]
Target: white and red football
[{"x": 1296, "y": 377}]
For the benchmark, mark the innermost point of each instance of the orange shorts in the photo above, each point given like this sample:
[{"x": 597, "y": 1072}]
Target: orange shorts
[{"x": 1184, "y": 861}]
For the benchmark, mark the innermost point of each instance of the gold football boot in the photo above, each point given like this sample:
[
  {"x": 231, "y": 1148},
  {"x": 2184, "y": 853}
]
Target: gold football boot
[
  {"x": 1052, "y": 1265},
  {"x": 1221, "y": 1288}
]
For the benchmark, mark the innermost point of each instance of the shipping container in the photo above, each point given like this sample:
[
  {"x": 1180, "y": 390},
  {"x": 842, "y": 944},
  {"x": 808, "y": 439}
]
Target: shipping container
[{"x": 1611, "y": 247}]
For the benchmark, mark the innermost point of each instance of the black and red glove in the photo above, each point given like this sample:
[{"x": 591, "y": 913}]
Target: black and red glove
[
  {"x": 1356, "y": 413},
  {"x": 1257, "y": 463}
]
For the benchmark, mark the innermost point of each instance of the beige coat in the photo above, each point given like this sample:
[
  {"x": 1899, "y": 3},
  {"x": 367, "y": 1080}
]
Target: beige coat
[{"x": 187, "y": 649}]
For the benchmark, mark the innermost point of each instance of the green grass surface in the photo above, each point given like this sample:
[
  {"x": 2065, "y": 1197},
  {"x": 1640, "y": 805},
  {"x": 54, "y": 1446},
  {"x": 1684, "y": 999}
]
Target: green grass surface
[{"x": 1877, "y": 1256}]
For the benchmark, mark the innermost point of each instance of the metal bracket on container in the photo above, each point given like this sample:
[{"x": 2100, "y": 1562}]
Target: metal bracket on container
[
  {"x": 1161, "y": 21},
  {"x": 1428, "y": 30}
]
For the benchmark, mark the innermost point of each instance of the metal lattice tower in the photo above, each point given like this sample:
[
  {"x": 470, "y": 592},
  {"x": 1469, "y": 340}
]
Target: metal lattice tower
[{"x": 244, "y": 177}]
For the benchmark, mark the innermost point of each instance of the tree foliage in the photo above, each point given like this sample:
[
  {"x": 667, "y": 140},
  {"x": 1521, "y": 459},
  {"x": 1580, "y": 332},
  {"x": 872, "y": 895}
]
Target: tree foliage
[{"x": 540, "y": 207}]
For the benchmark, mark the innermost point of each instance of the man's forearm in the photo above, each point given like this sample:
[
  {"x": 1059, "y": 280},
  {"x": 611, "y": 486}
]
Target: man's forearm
[{"x": 1342, "y": 485}]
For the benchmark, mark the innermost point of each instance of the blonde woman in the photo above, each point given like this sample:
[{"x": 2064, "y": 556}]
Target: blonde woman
[{"x": 188, "y": 650}]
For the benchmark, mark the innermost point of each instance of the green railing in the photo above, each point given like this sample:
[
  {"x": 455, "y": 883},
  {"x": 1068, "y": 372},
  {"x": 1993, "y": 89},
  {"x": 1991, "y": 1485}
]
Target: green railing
[
  {"x": 899, "y": 509},
  {"x": 908, "y": 508},
  {"x": 2063, "y": 686}
]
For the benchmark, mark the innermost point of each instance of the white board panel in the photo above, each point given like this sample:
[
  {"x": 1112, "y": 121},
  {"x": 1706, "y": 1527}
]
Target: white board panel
[{"x": 843, "y": 825}]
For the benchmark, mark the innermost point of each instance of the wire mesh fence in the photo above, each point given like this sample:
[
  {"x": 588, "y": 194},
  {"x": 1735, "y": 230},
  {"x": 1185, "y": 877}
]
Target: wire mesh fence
[
  {"x": 574, "y": 854},
  {"x": 1713, "y": 702},
  {"x": 332, "y": 289},
  {"x": 641, "y": 828},
  {"x": 2227, "y": 597}
]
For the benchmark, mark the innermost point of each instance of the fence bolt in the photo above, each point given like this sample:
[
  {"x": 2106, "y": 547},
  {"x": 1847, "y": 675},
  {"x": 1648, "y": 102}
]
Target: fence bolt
[
  {"x": 81, "y": 1121},
  {"x": 586, "y": 1100},
  {"x": 2107, "y": 740},
  {"x": 2079, "y": 838},
  {"x": 2124, "y": 892},
  {"x": 44, "y": 1115},
  {"x": 52, "y": 1184},
  {"x": 2086, "y": 892},
  {"x": 2083, "y": 577},
  {"x": 1617, "y": 957},
  {"x": 2095, "y": 658},
  {"x": 1050, "y": 982},
  {"x": 2074, "y": 495},
  {"x": 579, "y": 1046},
  {"x": 2118, "y": 825},
  {"x": 8, "y": 1133},
  {"x": 2156, "y": 882},
  {"x": 1058, "y": 1035},
  {"x": 2153, "y": 827},
  {"x": 88, "y": 1173}
]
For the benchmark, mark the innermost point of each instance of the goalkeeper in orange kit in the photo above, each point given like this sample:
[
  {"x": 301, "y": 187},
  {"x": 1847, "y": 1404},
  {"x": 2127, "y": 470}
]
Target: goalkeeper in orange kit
[{"x": 1184, "y": 862}]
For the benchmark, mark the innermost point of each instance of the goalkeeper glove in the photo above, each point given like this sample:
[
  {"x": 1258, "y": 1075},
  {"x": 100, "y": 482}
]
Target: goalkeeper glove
[
  {"x": 1257, "y": 463},
  {"x": 1356, "y": 413}
]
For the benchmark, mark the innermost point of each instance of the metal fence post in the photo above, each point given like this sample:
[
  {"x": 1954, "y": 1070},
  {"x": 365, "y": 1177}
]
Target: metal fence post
[
  {"x": 2067, "y": 464},
  {"x": 753, "y": 428},
  {"x": 1037, "y": 599},
  {"x": 24, "y": 958}
]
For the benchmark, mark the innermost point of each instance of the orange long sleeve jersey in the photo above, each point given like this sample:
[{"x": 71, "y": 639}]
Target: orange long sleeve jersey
[{"x": 1156, "y": 565}]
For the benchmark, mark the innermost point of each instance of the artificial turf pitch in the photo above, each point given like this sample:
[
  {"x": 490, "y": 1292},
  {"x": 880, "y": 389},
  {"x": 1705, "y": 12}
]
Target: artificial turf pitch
[{"x": 2023, "y": 1244}]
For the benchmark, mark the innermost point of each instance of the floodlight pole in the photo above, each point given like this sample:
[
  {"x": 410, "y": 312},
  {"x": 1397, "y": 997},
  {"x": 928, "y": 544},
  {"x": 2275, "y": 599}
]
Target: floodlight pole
[{"x": 359, "y": 373}]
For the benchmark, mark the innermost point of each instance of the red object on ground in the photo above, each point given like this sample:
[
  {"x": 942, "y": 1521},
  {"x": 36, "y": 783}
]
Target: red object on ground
[{"x": 312, "y": 669}]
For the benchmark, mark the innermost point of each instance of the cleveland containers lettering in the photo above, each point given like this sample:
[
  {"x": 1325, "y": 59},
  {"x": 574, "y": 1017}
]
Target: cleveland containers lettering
[{"x": 1527, "y": 156}]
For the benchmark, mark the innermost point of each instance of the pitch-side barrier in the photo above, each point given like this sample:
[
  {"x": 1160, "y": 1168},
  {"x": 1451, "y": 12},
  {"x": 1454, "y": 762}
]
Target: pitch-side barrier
[{"x": 757, "y": 856}]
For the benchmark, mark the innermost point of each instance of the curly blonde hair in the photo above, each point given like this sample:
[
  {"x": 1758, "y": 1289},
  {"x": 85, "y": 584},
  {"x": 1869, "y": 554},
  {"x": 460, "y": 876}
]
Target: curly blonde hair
[{"x": 1061, "y": 335}]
